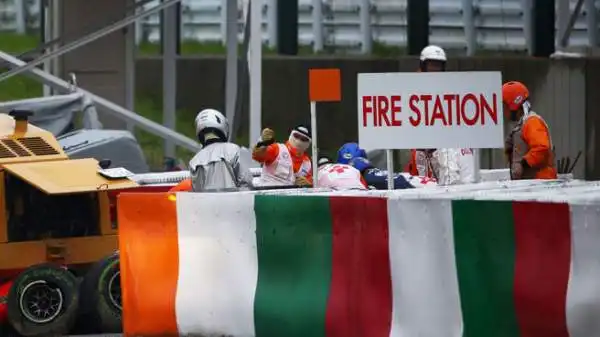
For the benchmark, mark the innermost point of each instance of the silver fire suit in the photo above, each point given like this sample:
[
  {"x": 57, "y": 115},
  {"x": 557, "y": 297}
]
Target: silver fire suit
[
  {"x": 219, "y": 166},
  {"x": 450, "y": 166}
]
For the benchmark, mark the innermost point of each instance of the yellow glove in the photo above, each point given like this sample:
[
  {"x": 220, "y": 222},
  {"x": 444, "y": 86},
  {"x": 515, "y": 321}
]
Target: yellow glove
[
  {"x": 302, "y": 181},
  {"x": 267, "y": 135}
]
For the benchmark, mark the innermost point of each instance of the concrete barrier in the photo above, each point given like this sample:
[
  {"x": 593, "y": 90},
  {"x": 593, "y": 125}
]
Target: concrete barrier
[{"x": 493, "y": 259}]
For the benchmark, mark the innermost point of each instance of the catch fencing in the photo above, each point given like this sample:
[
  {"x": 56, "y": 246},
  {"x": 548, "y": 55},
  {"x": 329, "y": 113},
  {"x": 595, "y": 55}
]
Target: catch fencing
[{"x": 498, "y": 24}]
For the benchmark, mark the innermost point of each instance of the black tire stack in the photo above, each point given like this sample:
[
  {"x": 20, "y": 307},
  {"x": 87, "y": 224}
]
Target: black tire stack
[
  {"x": 23, "y": 301},
  {"x": 100, "y": 306},
  {"x": 48, "y": 300}
]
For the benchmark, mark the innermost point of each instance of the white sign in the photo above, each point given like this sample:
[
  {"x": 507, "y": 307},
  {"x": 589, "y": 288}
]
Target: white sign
[{"x": 430, "y": 110}]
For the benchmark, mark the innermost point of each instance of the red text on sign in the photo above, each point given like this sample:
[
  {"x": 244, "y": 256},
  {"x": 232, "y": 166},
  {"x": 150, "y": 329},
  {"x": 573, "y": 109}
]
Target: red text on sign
[
  {"x": 382, "y": 110},
  {"x": 452, "y": 109}
]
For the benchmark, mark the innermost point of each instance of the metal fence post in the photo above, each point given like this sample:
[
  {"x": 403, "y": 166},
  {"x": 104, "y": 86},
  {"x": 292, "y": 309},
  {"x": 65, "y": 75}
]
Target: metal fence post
[
  {"x": 526, "y": 6},
  {"x": 417, "y": 25},
  {"x": 139, "y": 27},
  {"x": 20, "y": 16},
  {"x": 469, "y": 22},
  {"x": 231, "y": 63},
  {"x": 317, "y": 25},
  {"x": 563, "y": 12},
  {"x": 46, "y": 28},
  {"x": 130, "y": 53},
  {"x": 544, "y": 18},
  {"x": 169, "y": 54},
  {"x": 592, "y": 22},
  {"x": 272, "y": 22},
  {"x": 223, "y": 24},
  {"x": 287, "y": 27},
  {"x": 365, "y": 27}
]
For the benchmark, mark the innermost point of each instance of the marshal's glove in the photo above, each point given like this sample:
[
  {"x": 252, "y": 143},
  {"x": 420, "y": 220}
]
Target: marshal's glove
[
  {"x": 302, "y": 182},
  {"x": 267, "y": 137}
]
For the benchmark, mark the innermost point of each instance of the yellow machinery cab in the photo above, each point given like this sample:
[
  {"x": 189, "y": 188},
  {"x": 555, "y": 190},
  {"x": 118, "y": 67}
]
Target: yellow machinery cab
[{"x": 51, "y": 208}]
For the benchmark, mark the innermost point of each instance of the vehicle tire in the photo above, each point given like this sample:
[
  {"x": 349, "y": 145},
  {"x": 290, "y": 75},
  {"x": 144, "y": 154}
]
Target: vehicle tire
[
  {"x": 43, "y": 301},
  {"x": 101, "y": 296}
]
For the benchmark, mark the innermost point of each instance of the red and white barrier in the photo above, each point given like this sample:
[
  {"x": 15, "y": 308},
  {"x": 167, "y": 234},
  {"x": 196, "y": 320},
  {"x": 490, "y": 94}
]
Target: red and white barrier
[{"x": 506, "y": 259}]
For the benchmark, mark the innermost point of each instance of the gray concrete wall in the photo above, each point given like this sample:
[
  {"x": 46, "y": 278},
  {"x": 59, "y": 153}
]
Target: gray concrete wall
[{"x": 560, "y": 91}]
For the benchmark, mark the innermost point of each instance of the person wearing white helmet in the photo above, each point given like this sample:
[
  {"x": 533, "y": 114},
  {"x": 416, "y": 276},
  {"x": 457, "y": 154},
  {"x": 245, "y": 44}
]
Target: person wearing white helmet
[
  {"x": 218, "y": 165},
  {"x": 433, "y": 58},
  {"x": 447, "y": 166}
]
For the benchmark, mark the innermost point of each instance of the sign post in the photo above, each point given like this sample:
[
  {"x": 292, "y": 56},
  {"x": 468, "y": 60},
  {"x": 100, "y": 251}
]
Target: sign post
[
  {"x": 324, "y": 85},
  {"x": 390, "y": 168},
  {"x": 430, "y": 111}
]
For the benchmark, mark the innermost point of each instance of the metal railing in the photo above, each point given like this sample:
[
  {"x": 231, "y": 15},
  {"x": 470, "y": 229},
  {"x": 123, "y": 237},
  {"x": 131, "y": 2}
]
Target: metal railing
[{"x": 497, "y": 24}]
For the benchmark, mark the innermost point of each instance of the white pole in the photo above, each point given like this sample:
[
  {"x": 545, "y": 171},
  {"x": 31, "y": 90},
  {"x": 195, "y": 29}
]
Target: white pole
[
  {"x": 390, "y": 168},
  {"x": 476, "y": 166},
  {"x": 255, "y": 69},
  {"x": 315, "y": 149}
]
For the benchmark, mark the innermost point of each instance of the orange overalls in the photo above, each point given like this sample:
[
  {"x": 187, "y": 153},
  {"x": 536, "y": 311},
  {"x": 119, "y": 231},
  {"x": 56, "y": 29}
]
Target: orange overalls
[{"x": 530, "y": 141}]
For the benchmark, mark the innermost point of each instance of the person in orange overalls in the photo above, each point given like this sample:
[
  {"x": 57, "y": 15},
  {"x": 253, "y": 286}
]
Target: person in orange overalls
[
  {"x": 528, "y": 147},
  {"x": 284, "y": 164}
]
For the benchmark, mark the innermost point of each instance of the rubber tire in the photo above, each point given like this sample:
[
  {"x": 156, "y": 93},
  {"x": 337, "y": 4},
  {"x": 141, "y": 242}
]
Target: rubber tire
[
  {"x": 98, "y": 313},
  {"x": 58, "y": 276}
]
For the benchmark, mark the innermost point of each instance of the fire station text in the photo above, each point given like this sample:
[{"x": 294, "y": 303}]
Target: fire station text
[{"x": 429, "y": 110}]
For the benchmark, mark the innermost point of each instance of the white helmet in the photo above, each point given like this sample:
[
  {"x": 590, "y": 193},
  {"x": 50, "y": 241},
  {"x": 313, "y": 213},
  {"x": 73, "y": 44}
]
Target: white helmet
[
  {"x": 211, "y": 120},
  {"x": 433, "y": 53}
]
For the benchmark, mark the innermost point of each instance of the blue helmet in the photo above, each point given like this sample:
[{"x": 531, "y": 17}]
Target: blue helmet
[
  {"x": 350, "y": 151},
  {"x": 360, "y": 164}
]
